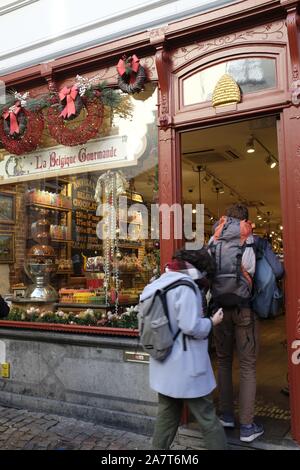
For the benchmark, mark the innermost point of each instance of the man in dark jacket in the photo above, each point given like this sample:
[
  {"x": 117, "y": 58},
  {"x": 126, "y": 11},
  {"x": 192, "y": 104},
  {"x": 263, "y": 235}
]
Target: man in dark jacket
[
  {"x": 4, "y": 308},
  {"x": 232, "y": 247}
]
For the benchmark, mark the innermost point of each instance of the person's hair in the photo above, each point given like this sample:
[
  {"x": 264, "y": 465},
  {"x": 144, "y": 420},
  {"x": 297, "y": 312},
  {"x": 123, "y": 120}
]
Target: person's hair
[
  {"x": 238, "y": 211},
  {"x": 201, "y": 259}
]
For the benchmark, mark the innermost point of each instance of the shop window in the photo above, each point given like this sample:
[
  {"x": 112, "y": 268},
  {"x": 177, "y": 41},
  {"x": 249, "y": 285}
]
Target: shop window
[
  {"x": 82, "y": 245},
  {"x": 252, "y": 75}
]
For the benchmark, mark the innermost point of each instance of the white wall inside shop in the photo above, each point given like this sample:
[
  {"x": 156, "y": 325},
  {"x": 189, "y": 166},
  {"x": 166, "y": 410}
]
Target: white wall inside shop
[
  {"x": 40, "y": 30},
  {"x": 4, "y": 279}
]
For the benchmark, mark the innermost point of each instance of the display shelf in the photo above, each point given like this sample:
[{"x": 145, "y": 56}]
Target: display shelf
[
  {"x": 130, "y": 245},
  {"x": 92, "y": 306},
  {"x": 49, "y": 207},
  {"x": 59, "y": 217},
  {"x": 120, "y": 272},
  {"x": 53, "y": 240}
]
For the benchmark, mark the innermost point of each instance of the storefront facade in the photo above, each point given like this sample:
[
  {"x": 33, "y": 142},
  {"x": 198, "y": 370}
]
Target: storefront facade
[{"x": 173, "y": 56}]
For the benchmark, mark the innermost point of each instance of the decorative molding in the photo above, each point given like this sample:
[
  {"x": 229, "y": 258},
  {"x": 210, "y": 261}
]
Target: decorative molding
[
  {"x": 149, "y": 64},
  {"x": 270, "y": 32},
  {"x": 165, "y": 135},
  {"x": 166, "y": 186},
  {"x": 47, "y": 73},
  {"x": 295, "y": 90},
  {"x": 158, "y": 35},
  {"x": 162, "y": 61},
  {"x": 292, "y": 24}
]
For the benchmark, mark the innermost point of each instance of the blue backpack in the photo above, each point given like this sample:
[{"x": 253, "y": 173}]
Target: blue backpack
[{"x": 267, "y": 300}]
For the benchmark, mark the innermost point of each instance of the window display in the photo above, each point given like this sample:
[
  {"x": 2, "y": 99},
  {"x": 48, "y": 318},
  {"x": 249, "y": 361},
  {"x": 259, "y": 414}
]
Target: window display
[{"x": 87, "y": 251}]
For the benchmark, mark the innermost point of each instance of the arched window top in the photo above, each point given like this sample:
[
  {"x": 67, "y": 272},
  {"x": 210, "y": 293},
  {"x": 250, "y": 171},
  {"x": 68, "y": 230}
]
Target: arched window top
[{"x": 251, "y": 73}]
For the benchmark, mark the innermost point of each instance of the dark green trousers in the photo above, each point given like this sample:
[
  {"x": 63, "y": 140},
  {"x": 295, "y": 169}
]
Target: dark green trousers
[{"x": 168, "y": 420}]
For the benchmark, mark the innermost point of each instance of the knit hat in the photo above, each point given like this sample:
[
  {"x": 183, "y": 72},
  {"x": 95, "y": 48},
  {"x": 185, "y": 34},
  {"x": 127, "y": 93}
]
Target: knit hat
[{"x": 185, "y": 268}]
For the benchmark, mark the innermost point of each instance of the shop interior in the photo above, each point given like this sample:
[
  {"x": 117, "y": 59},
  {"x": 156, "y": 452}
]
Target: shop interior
[
  {"x": 61, "y": 223},
  {"x": 238, "y": 162}
]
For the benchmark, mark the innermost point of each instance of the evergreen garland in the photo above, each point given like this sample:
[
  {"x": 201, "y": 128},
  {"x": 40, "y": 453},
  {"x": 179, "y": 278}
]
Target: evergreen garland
[{"x": 92, "y": 96}]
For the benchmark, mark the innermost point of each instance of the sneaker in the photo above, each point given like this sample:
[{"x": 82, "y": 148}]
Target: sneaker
[
  {"x": 227, "y": 420},
  {"x": 249, "y": 432}
]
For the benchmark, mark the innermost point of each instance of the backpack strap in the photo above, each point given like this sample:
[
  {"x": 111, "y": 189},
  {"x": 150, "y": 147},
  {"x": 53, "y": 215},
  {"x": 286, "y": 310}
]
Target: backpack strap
[
  {"x": 179, "y": 283},
  {"x": 163, "y": 295},
  {"x": 260, "y": 248},
  {"x": 240, "y": 269},
  {"x": 219, "y": 228}
]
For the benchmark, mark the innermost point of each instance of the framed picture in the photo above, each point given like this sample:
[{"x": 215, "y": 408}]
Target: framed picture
[
  {"x": 7, "y": 247},
  {"x": 7, "y": 208}
]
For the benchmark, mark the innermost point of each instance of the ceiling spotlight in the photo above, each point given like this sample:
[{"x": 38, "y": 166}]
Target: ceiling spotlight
[
  {"x": 217, "y": 187},
  {"x": 250, "y": 148},
  {"x": 206, "y": 178},
  {"x": 270, "y": 161}
]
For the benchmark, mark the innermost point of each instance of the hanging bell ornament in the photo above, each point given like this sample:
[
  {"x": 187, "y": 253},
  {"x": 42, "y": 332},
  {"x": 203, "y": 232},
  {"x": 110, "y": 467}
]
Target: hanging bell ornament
[{"x": 118, "y": 255}]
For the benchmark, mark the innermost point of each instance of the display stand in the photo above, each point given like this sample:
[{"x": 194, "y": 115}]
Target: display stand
[{"x": 27, "y": 304}]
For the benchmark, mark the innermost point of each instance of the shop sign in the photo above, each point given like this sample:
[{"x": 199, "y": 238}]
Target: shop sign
[
  {"x": 61, "y": 160},
  {"x": 130, "y": 356}
]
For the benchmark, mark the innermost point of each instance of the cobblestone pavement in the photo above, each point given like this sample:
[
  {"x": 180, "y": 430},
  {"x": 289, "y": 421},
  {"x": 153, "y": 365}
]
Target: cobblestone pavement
[{"x": 26, "y": 430}]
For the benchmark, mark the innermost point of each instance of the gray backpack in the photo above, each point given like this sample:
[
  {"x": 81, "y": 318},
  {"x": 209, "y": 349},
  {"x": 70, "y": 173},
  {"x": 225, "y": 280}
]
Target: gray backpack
[
  {"x": 230, "y": 287},
  {"x": 156, "y": 335}
]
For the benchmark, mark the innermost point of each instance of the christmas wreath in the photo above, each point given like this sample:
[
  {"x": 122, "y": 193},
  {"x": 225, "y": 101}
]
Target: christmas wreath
[
  {"x": 132, "y": 75},
  {"x": 85, "y": 131},
  {"x": 22, "y": 121},
  {"x": 86, "y": 93},
  {"x": 20, "y": 129}
]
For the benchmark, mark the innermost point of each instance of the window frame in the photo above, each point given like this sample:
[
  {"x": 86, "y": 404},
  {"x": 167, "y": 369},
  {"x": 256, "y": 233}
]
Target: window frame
[{"x": 256, "y": 100}]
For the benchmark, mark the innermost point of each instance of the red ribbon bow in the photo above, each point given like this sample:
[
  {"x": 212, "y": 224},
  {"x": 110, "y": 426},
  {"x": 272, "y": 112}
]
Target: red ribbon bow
[
  {"x": 68, "y": 94},
  {"x": 12, "y": 115},
  {"x": 134, "y": 63}
]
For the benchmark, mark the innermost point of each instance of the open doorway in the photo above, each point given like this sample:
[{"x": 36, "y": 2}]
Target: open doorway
[{"x": 236, "y": 162}]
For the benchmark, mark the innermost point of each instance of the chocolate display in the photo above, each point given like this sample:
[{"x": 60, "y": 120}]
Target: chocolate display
[{"x": 40, "y": 263}]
